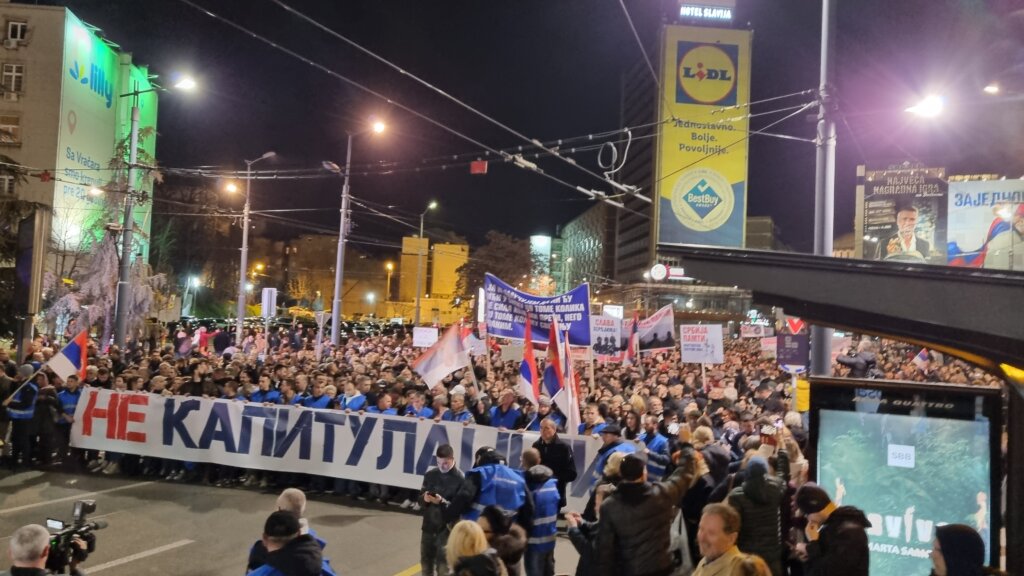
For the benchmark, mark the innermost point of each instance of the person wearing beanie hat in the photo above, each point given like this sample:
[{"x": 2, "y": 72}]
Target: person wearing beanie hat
[
  {"x": 757, "y": 501},
  {"x": 958, "y": 550},
  {"x": 837, "y": 541}
]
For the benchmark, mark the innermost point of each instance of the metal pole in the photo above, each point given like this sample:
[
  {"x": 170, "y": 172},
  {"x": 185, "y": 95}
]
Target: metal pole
[
  {"x": 339, "y": 264},
  {"x": 419, "y": 271},
  {"x": 124, "y": 278},
  {"x": 243, "y": 264},
  {"x": 824, "y": 179}
]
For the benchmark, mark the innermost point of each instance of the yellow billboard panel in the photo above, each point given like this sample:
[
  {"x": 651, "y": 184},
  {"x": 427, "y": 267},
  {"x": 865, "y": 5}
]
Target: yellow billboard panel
[{"x": 701, "y": 169}]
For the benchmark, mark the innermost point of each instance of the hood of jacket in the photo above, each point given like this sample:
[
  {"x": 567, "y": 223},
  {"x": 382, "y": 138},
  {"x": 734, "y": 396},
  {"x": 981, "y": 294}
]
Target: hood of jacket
[
  {"x": 300, "y": 557},
  {"x": 511, "y": 546},
  {"x": 538, "y": 475},
  {"x": 845, "y": 514}
]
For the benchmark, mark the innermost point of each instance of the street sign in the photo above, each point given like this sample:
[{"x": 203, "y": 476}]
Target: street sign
[
  {"x": 795, "y": 325},
  {"x": 269, "y": 303}
]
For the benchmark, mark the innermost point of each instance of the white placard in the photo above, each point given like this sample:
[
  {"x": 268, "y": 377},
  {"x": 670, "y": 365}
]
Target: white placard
[
  {"x": 701, "y": 343},
  {"x": 424, "y": 336}
]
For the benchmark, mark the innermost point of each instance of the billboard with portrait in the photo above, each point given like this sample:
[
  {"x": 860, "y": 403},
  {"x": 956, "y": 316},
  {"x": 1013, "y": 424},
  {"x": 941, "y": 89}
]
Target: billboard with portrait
[
  {"x": 701, "y": 174},
  {"x": 903, "y": 215}
]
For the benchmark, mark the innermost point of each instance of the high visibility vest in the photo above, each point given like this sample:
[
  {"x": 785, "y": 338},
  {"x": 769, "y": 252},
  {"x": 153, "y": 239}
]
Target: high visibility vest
[
  {"x": 28, "y": 412},
  {"x": 500, "y": 486},
  {"x": 545, "y": 517},
  {"x": 658, "y": 445}
]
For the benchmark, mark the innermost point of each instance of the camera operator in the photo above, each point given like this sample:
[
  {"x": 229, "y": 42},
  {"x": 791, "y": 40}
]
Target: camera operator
[{"x": 30, "y": 549}]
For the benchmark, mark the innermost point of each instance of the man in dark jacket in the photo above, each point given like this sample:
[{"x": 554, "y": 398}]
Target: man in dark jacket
[
  {"x": 289, "y": 552},
  {"x": 557, "y": 455},
  {"x": 440, "y": 485},
  {"x": 862, "y": 364},
  {"x": 633, "y": 538},
  {"x": 837, "y": 541}
]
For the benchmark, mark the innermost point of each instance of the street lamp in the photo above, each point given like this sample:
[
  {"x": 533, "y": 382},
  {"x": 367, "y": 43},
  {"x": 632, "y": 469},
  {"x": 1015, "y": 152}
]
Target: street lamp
[
  {"x": 243, "y": 265},
  {"x": 419, "y": 262},
  {"x": 124, "y": 276},
  {"x": 930, "y": 107},
  {"x": 390, "y": 268},
  {"x": 371, "y": 299},
  {"x": 377, "y": 127},
  {"x": 567, "y": 273}
]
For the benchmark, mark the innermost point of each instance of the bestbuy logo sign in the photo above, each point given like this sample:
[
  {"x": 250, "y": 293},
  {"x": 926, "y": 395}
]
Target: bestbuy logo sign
[
  {"x": 706, "y": 73},
  {"x": 95, "y": 77}
]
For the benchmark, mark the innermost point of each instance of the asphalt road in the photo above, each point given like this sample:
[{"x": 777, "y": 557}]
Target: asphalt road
[{"x": 158, "y": 527}]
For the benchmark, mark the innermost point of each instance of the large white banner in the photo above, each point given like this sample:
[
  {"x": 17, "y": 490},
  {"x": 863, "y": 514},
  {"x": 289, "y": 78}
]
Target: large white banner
[
  {"x": 391, "y": 450},
  {"x": 701, "y": 343}
]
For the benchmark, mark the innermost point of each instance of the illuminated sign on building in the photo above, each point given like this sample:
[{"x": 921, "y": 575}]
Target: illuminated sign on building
[{"x": 710, "y": 13}]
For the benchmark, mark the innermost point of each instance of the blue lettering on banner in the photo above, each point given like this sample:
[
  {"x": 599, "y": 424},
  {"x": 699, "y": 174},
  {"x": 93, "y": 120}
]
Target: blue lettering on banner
[
  {"x": 505, "y": 310},
  {"x": 437, "y": 436},
  {"x": 174, "y": 421},
  {"x": 330, "y": 420},
  {"x": 367, "y": 448},
  {"x": 218, "y": 428},
  {"x": 361, "y": 431},
  {"x": 405, "y": 427}
]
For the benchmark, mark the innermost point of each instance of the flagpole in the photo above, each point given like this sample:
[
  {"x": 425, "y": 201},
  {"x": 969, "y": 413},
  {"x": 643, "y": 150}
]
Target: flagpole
[{"x": 23, "y": 384}]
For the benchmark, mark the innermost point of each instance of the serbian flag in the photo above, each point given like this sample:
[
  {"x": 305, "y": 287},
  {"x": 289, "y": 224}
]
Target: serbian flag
[
  {"x": 921, "y": 359},
  {"x": 446, "y": 356},
  {"x": 569, "y": 400},
  {"x": 529, "y": 384},
  {"x": 72, "y": 358},
  {"x": 553, "y": 374}
]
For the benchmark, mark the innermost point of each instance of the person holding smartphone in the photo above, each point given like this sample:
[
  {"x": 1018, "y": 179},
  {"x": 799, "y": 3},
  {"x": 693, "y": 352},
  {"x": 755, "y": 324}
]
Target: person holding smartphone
[{"x": 440, "y": 484}]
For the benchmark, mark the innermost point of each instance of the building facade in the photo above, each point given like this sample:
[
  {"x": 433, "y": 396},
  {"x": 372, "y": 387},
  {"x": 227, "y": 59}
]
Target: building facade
[{"x": 66, "y": 104}]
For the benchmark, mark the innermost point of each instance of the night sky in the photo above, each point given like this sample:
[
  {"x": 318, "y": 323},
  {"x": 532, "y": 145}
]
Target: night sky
[{"x": 551, "y": 69}]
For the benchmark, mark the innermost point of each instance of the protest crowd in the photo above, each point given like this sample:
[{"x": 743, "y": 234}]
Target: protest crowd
[{"x": 699, "y": 472}]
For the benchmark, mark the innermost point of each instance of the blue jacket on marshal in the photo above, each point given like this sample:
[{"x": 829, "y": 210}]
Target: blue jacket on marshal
[
  {"x": 506, "y": 420},
  {"x": 316, "y": 402},
  {"x": 23, "y": 406},
  {"x": 545, "y": 509},
  {"x": 68, "y": 402},
  {"x": 500, "y": 486},
  {"x": 657, "y": 445}
]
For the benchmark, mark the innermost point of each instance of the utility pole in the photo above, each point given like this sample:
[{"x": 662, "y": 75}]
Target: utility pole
[{"x": 824, "y": 179}]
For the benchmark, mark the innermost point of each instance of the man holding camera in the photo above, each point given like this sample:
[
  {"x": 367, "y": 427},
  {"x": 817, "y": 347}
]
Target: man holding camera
[{"x": 29, "y": 552}]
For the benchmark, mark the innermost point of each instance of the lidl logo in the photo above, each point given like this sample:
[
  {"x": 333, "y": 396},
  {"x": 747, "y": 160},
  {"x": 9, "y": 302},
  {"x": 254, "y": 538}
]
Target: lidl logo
[
  {"x": 96, "y": 79},
  {"x": 706, "y": 73},
  {"x": 703, "y": 199}
]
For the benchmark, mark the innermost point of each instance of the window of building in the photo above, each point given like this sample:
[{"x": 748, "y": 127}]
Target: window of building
[
  {"x": 17, "y": 31},
  {"x": 13, "y": 77},
  {"x": 10, "y": 129},
  {"x": 6, "y": 185}
]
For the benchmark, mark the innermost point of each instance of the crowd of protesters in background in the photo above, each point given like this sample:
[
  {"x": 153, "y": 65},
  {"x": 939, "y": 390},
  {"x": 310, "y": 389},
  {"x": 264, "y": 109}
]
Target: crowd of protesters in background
[{"x": 699, "y": 471}]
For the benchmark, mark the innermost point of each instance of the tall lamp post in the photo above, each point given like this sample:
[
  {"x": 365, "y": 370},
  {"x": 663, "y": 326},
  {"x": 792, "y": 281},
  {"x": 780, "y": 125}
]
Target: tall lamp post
[
  {"x": 124, "y": 276},
  {"x": 390, "y": 268},
  {"x": 244, "y": 262},
  {"x": 419, "y": 262},
  {"x": 339, "y": 265}
]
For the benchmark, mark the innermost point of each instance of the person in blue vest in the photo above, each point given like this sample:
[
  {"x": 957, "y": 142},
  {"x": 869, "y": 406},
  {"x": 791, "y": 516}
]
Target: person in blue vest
[
  {"x": 352, "y": 399},
  {"x": 611, "y": 435},
  {"x": 68, "y": 399},
  {"x": 540, "y": 543},
  {"x": 458, "y": 412},
  {"x": 492, "y": 483},
  {"x": 264, "y": 394},
  {"x": 290, "y": 500},
  {"x": 545, "y": 409},
  {"x": 317, "y": 398},
  {"x": 656, "y": 448},
  {"x": 289, "y": 393},
  {"x": 21, "y": 409},
  {"x": 289, "y": 551},
  {"x": 592, "y": 423},
  {"x": 505, "y": 416},
  {"x": 417, "y": 408},
  {"x": 383, "y": 406}
]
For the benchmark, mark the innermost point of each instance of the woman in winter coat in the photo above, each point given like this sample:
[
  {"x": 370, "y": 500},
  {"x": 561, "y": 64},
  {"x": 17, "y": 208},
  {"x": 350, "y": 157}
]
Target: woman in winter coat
[
  {"x": 506, "y": 537},
  {"x": 757, "y": 500}
]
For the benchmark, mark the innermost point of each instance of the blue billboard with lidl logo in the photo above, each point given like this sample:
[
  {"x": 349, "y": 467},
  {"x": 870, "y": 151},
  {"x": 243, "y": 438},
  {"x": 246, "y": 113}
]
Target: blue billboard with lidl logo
[{"x": 702, "y": 149}]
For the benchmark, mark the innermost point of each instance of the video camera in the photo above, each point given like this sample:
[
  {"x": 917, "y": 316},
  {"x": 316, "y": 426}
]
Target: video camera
[{"x": 64, "y": 552}]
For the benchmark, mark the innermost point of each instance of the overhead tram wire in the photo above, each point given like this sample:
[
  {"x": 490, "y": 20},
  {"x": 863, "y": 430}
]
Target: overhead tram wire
[
  {"x": 647, "y": 60},
  {"x": 475, "y": 142},
  {"x": 520, "y": 135}
]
